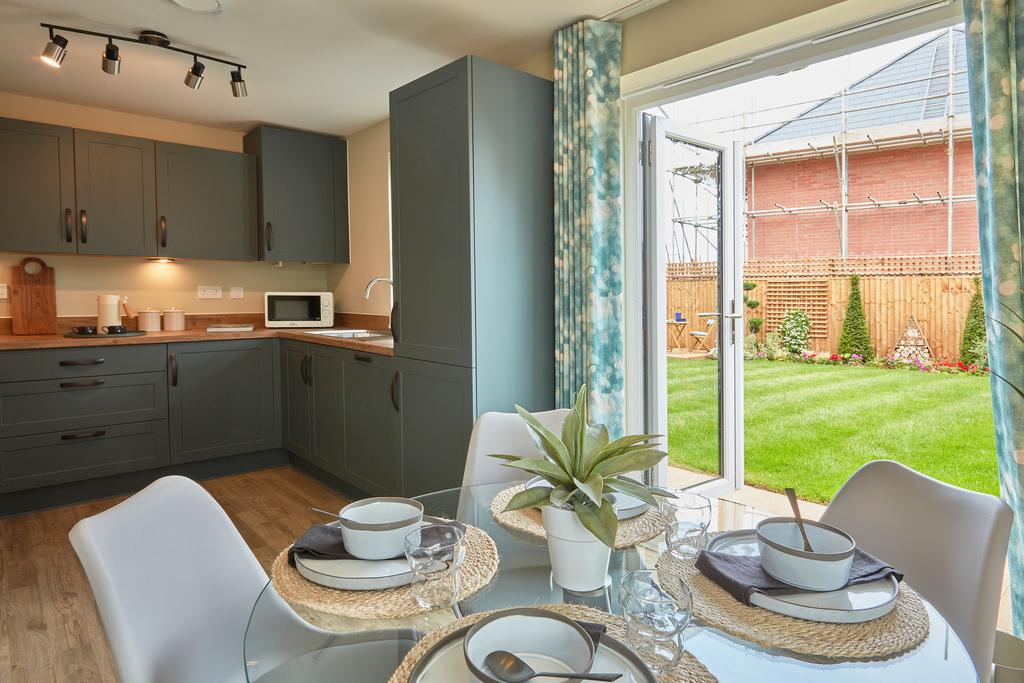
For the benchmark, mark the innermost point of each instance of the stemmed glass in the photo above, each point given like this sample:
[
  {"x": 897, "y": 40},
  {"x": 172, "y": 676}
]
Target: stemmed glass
[
  {"x": 687, "y": 518},
  {"x": 655, "y": 620},
  {"x": 435, "y": 552}
]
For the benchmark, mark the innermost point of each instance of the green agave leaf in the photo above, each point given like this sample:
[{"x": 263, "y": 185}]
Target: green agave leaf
[
  {"x": 626, "y": 441},
  {"x": 547, "y": 442},
  {"x": 594, "y": 441},
  {"x": 628, "y": 462},
  {"x": 561, "y": 495},
  {"x": 632, "y": 488},
  {"x": 580, "y": 408},
  {"x": 592, "y": 488},
  {"x": 532, "y": 497},
  {"x": 600, "y": 521},
  {"x": 550, "y": 471},
  {"x": 655, "y": 490},
  {"x": 570, "y": 430},
  {"x": 506, "y": 456}
]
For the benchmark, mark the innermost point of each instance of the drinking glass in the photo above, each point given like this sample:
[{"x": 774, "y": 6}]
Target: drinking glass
[
  {"x": 655, "y": 620},
  {"x": 687, "y": 517},
  {"x": 435, "y": 552}
]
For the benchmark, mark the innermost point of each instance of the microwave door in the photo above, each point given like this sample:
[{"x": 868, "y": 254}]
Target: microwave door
[{"x": 297, "y": 309}]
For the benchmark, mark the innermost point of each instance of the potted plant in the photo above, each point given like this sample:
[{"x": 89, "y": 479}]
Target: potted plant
[{"x": 582, "y": 468}]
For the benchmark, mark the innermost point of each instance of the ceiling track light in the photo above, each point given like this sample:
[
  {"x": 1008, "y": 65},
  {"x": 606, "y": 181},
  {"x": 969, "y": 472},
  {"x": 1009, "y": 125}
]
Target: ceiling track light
[
  {"x": 55, "y": 50},
  {"x": 111, "y": 62},
  {"x": 57, "y": 47}
]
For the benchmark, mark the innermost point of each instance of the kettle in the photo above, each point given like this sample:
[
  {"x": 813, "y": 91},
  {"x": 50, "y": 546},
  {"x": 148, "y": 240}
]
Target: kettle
[{"x": 108, "y": 309}]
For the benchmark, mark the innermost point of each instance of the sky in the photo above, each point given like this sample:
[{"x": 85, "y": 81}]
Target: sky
[{"x": 789, "y": 91}]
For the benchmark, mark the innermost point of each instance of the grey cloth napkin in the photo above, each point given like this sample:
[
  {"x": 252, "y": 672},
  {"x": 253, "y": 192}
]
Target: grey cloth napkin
[
  {"x": 741, "y": 577},
  {"x": 325, "y": 542},
  {"x": 595, "y": 631}
]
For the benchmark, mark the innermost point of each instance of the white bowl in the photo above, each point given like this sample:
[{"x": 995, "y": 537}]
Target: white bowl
[
  {"x": 783, "y": 557},
  {"x": 544, "y": 640},
  {"x": 375, "y": 528}
]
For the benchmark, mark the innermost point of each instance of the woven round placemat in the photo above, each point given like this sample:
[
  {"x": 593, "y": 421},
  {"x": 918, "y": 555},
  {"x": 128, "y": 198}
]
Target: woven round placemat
[
  {"x": 631, "y": 532},
  {"x": 477, "y": 570},
  {"x": 690, "y": 670},
  {"x": 900, "y": 631}
]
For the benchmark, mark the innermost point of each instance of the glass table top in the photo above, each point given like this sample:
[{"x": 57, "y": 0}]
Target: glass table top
[{"x": 281, "y": 645}]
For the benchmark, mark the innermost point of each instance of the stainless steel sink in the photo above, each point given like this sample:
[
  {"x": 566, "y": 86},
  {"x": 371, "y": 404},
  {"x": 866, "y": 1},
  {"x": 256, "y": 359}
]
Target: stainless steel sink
[{"x": 362, "y": 335}]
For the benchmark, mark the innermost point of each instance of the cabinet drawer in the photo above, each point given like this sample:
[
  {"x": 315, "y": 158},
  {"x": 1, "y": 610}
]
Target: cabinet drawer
[
  {"x": 45, "y": 459},
  {"x": 81, "y": 361},
  {"x": 61, "y": 404}
]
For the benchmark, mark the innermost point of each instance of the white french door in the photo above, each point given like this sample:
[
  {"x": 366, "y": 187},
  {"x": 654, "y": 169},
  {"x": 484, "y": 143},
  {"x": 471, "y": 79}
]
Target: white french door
[{"x": 693, "y": 216}]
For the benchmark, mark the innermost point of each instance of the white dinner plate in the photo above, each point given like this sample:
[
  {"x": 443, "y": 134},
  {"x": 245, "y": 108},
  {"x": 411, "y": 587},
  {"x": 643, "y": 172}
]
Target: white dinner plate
[
  {"x": 446, "y": 662},
  {"x": 626, "y": 506},
  {"x": 850, "y": 605}
]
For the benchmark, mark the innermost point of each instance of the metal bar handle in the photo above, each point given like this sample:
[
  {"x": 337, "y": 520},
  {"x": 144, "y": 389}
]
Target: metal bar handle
[
  {"x": 163, "y": 231},
  {"x": 83, "y": 435},
  {"x": 270, "y": 236},
  {"x": 83, "y": 230},
  {"x": 83, "y": 384},
  {"x": 363, "y": 358},
  {"x": 174, "y": 369},
  {"x": 69, "y": 230},
  {"x": 394, "y": 395},
  {"x": 306, "y": 378},
  {"x": 81, "y": 361}
]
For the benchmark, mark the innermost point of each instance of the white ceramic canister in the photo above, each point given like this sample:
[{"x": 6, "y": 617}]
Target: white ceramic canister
[
  {"x": 108, "y": 310},
  {"x": 174, "y": 320},
  {"x": 149, "y": 320}
]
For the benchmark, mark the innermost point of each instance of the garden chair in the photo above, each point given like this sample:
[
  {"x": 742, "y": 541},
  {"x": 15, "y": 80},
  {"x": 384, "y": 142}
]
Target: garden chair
[{"x": 703, "y": 336}]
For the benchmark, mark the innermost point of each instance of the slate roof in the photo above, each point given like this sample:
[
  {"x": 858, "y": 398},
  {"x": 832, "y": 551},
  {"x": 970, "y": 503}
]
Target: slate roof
[{"x": 889, "y": 86}]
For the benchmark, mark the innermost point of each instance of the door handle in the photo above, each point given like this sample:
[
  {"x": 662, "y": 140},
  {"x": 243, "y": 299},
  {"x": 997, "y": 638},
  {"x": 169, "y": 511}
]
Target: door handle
[
  {"x": 269, "y": 236},
  {"x": 83, "y": 435},
  {"x": 363, "y": 358},
  {"x": 69, "y": 231},
  {"x": 83, "y": 226},
  {"x": 174, "y": 369},
  {"x": 309, "y": 369},
  {"x": 394, "y": 395},
  {"x": 163, "y": 231},
  {"x": 304, "y": 370},
  {"x": 82, "y": 384},
  {"x": 81, "y": 361}
]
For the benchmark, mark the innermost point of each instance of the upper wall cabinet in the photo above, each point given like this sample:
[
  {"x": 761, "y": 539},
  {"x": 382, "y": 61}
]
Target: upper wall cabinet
[
  {"x": 206, "y": 203},
  {"x": 37, "y": 187},
  {"x": 115, "y": 188},
  {"x": 303, "y": 195}
]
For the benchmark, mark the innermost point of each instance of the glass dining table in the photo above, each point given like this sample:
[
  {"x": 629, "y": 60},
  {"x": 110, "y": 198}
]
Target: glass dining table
[{"x": 283, "y": 645}]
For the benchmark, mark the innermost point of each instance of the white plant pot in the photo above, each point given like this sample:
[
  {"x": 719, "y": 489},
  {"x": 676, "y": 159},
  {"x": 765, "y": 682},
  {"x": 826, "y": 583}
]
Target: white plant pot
[{"x": 579, "y": 561}]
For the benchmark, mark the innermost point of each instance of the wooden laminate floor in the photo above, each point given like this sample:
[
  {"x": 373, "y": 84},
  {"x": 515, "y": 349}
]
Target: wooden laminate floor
[{"x": 49, "y": 628}]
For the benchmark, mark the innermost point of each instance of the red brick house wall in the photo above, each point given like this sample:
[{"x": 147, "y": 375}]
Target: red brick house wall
[{"x": 886, "y": 174}]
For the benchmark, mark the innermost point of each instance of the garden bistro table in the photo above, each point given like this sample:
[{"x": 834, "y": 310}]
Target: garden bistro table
[
  {"x": 282, "y": 645},
  {"x": 676, "y": 334}
]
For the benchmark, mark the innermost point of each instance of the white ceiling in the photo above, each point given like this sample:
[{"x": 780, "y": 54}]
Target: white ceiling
[{"x": 320, "y": 65}]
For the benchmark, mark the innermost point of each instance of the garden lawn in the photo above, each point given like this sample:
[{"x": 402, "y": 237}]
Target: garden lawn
[{"x": 811, "y": 426}]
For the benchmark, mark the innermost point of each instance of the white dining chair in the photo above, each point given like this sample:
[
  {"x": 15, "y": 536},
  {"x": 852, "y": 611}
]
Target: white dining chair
[
  {"x": 504, "y": 433},
  {"x": 950, "y": 544},
  {"x": 175, "y": 583}
]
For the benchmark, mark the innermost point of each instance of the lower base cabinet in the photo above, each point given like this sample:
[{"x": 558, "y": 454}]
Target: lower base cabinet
[
  {"x": 223, "y": 398},
  {"x": 373, "y": 447}
]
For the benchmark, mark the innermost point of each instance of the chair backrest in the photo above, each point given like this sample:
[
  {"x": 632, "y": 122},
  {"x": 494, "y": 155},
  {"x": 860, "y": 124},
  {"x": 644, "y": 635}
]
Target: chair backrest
[
  {"x": 710, "y": 323},
  {"x": 504, "y": 433},
  {"x": 174, "y": 584},
  {"x": 950, "y": 543}
]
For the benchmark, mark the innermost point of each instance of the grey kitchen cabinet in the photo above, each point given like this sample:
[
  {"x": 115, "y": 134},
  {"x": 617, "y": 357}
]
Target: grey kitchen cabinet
[
  {"x": 303, "y": 195},
  {"x": 84, "y": 361},
  {"x": 206, "y": 203},
  {"x": 223, "y": 398},
  {"x": 115, "y": 190},
  {"x": 313, "y": 404},
  {"x": 28, "y": 462},
  {"x": 437, "y": 412},
  {"x": 473, "y": 236},
  {"x": 37, "y": 187},
  {"x": 373, "y": 445}
]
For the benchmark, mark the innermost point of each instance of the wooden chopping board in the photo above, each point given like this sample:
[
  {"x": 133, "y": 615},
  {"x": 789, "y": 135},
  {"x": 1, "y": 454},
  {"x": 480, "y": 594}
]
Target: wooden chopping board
[{"x": 33, "y": 298}]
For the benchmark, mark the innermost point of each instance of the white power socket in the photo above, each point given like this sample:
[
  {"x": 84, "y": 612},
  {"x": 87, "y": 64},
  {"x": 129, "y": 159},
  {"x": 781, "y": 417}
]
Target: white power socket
[
  {"x": 237, "y": 292},
  {"x": 4, "y": 292},
  {"x": 210, "y": 292}
]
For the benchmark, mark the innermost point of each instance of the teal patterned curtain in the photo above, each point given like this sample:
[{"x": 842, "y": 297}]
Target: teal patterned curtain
[
  {"x": 588, "y": 219},
  {"x": 995, "y": 48}
]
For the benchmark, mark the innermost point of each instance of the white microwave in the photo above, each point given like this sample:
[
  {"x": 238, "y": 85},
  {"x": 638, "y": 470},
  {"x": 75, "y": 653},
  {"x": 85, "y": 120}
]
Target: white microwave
[{"x": 298, "y": 309}]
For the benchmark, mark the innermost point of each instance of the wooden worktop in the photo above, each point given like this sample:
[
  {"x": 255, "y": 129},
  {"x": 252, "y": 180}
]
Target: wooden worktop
[{"x": 196, "y": 332}]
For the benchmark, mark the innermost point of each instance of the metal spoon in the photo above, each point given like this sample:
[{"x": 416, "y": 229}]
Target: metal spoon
[
  {"x": 325, "y": 512},
  {"x": 512, "y": 669},
  {"x": 791, "y": 494}
]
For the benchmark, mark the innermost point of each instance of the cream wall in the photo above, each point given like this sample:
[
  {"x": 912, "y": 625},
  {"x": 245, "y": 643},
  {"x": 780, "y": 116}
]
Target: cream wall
[
  {"x": 80, "y": 278},
  {"x": 369, "y": 214}
]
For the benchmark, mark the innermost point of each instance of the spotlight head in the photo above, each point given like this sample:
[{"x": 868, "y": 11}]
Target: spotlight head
[
  {"x": 111, "y": 62},
  {"x": 55, "y": 50},
  {"x": 237, "y": 84},
  {"x": 194, "y": 76}
]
